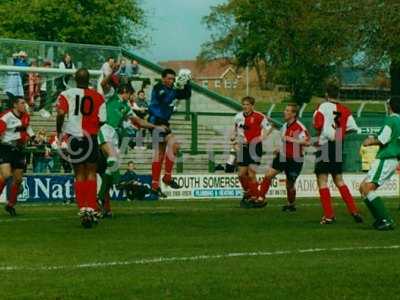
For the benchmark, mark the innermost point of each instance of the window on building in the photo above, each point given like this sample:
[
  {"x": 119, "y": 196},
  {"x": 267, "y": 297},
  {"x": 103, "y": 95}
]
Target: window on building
[
  {"x": 217, "y": 84},
  {"x": 235, "y": 84},
  {"x": 228, "y": 84},
  {"x": 205, "y": 83}
]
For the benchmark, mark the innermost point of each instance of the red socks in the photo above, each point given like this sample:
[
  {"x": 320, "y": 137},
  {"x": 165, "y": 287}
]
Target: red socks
[
  {"x": 169, "y": 165},
  {"x": 325, "y": 197},
  {"x": 86, "y": 194},
  {"x": 253, "y": 188},
  {"x": 156, "y": 171},
  {"x": 264, "y": 187},
  {"x": 80, "y": 194},
  {"x": 291, "y": 195},
  {"x": 2, "y": 185},
  {"x": 91, "y": 194},
  {"x": 348, "y": 199},
  {"x": 244, "y": 183},
  {"x": 107, "y": 202},
  {"x": 12, "y": 197}
]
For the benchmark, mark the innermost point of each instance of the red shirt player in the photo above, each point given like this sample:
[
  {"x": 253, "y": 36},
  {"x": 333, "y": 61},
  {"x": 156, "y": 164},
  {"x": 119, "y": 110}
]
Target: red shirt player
[
  {"x": 248, "y": 134},
  {"x": 332, "y": 121},
  {"x": 86, "y": 111},
  {"x": 15, "y": 132},
  {"x": 289, "y": 158}
]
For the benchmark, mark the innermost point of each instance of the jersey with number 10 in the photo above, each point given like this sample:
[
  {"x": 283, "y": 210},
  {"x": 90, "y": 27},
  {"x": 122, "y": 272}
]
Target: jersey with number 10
[
  {"x": 332, "y": 121},
  {"x": 85, "y": 108}
]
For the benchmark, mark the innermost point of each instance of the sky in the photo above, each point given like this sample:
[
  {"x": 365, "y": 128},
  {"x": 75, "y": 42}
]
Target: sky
[{"x": 175, "y": 28}]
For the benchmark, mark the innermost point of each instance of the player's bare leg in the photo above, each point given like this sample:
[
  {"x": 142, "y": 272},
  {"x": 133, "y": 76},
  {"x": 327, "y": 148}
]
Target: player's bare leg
[
  {"x": 326, "y": 200},
  {"x": 383, "y": 220},
  {"x": 347, "y": 197},
  {"x": 171, "y": 152},
  {"x": 5, "y": 173},
  {"x": 16, "y": 180}
]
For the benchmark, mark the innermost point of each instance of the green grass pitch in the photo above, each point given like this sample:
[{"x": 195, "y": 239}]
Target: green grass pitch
[{"x": 197, "y": 250}]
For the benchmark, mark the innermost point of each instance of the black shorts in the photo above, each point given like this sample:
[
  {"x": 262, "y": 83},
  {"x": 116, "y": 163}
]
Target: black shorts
[
  {"x": 159, "y": 122},
  {"x": 290, "y": 167},
  {"x": 329, "y": 159},
  {"x": 83, "y": 150},
  {"x": 12, "y": 155},
  {"x": 250, "y": 154}
]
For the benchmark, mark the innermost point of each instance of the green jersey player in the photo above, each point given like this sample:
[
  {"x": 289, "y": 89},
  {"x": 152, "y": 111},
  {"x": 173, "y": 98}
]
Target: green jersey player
[
  {"x": 383, "y": 167},
  {"x": 118, "y": 111}
]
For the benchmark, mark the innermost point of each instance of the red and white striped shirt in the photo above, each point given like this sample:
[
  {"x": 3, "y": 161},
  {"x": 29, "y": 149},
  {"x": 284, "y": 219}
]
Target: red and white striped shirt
[
  {"x": 295, "y": 130},
  {"x": 85, "y": 108},
  {"x": 332, "y": 121},
  {"x": 250, "y": 127},
  {"x": 15, "y": 129}
]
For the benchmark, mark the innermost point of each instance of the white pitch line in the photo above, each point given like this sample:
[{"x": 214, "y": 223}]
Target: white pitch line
[{"x": 159, "y": 260}]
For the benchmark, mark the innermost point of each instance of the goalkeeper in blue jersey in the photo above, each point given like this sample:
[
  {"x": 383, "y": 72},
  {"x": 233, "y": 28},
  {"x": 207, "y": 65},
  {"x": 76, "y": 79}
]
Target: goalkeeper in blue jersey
[
  {"x": 164, "y": 99},
  {"x": 384, "y": 166}
]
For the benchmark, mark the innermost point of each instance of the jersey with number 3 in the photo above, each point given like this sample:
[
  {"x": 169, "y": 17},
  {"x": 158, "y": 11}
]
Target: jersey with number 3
[
  {"x": 332, "y": 121},
  {"x": 86, "y": 110}
]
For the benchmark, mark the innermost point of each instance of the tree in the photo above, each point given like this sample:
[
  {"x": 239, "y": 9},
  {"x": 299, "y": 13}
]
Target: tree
[
  {"x": 299, "y": 42},
  {"x": 379, "y": 31},
  {"x": 104, "y": 22}
]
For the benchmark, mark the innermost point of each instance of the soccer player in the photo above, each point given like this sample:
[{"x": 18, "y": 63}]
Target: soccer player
[
  {"x": 332, "y": 120},
  {"x": 165, "y": 145},
  {"x": 118, "y": 110},
  {"x": 15, "y": 132},
  {"x": 85, "y": 110},
  {"x": 289, "y": 158},
  {"x": 383, "y": 167},
  {"x": 248, "y": 136}
]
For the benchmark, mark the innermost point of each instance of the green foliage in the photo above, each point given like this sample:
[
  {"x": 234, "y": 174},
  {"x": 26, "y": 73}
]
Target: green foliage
[
  {"x": 104, "y": 22},
  {"x": 298, "y": 42}
]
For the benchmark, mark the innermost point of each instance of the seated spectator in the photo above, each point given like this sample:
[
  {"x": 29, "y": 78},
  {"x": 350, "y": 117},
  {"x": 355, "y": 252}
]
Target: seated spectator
[
  {"x": 41, "y": 158},
  {"x": 141, "y": 108},
  {"x": 132, "y": 185}
]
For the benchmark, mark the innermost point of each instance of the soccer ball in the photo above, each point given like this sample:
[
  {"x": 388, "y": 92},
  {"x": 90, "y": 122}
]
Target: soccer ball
[{"x": 184, "y": 76}]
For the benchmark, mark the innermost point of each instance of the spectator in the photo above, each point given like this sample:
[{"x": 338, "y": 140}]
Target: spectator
[
  {"x": 34, "y": 86},
  {"x": 130, "y": 173},
  {"x": 62, "y": 82},
  {"x": 45, "y": 86},
  {"x": 108, "y": 67},
  {"x": 135, "y": 68},
  {"x": 14, "y": 87},
  {"x": 141, "y": 107},
  {"x": 41, "y": 159},
  {"x": 368, "y": 156},
  {"x": 132, "y": 185},
  {"x": 60, "y": 159}
]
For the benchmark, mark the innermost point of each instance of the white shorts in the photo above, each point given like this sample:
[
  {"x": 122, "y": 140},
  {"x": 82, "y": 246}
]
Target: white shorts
[
  {"x": 382, "y": 170},
  {"x": 108, "y": 134}
]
